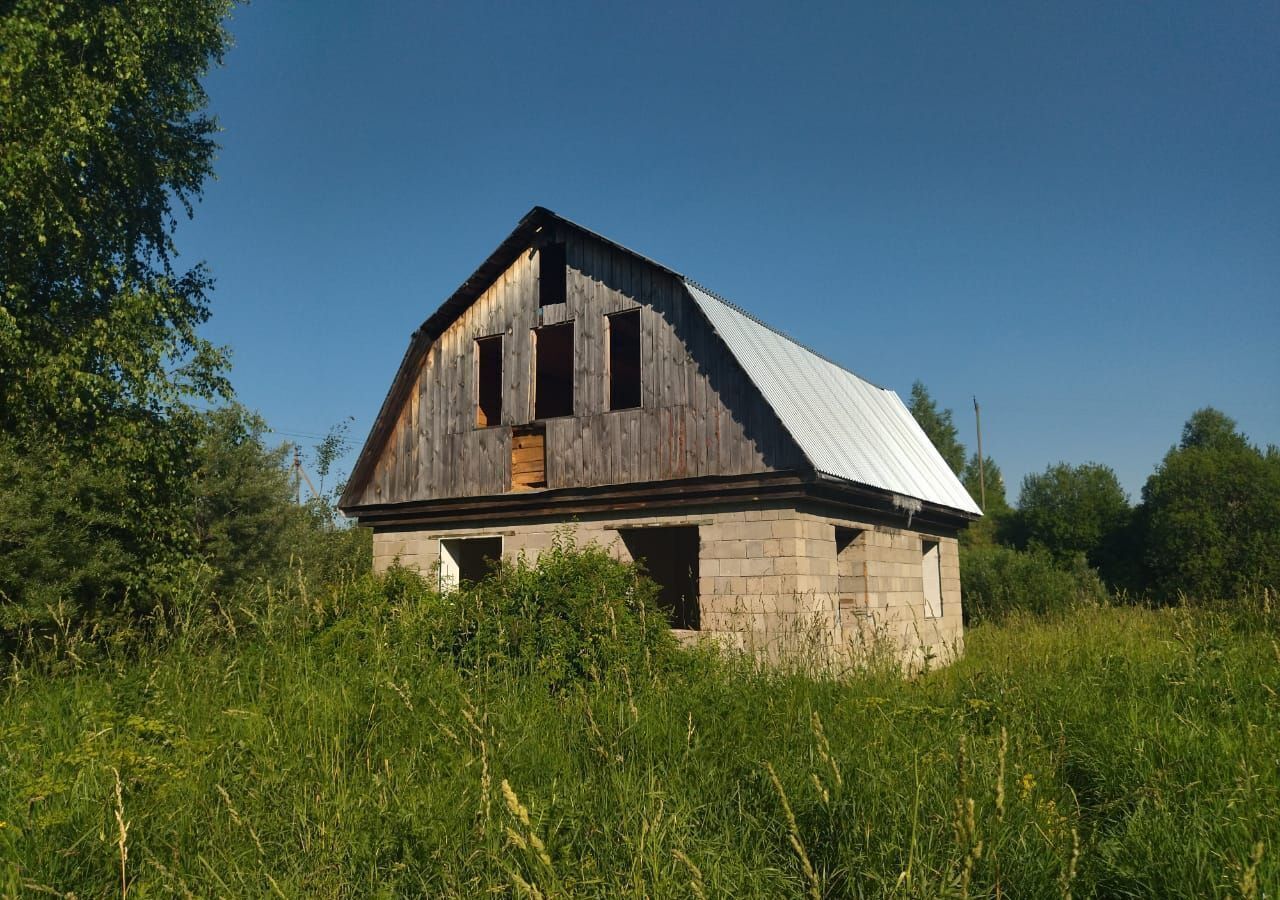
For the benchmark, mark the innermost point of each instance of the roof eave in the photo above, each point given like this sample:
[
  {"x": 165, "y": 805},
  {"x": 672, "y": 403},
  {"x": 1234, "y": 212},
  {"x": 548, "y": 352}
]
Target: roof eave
[{"x": 928, "y": 508}]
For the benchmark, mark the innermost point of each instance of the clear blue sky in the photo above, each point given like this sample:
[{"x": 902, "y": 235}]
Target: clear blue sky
[{"x": 1071, "y": 210}]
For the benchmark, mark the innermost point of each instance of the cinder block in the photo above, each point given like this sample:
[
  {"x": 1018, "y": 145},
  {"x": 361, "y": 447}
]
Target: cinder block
[
  {"x": 730, "y": 567},
  {"x": 757, "y": 565},
  {"x": 784, "y": 528}
]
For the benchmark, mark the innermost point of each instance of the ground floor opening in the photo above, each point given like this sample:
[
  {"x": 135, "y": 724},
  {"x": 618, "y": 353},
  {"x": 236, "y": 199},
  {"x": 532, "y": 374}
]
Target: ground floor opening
[
  {"x": 670, "y": 556},
  {"x": 467, "y": 560}
]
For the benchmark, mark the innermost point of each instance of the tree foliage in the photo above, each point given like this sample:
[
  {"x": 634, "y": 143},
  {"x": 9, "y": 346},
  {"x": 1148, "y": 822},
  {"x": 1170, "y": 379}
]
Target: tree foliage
[
  {"x": 105, "y": 141},
  {"x": 101, "y": 109},
  {"x": 937, "y": 424},
  {"x": 73, "y": 552},
  {"x": 1073, "y": 511},
  {"x": 1210, "y": 515},
  {"x": 997, "y": 503}
]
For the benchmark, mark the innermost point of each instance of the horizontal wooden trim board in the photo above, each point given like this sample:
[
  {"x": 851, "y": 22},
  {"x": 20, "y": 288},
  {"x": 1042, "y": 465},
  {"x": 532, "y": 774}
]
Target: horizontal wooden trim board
[{"x": 525, "y": 502}]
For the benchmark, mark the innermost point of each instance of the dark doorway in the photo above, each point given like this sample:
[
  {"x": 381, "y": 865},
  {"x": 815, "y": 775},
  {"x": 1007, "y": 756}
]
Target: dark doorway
[
  {"x": 553, "y": 378},
  {"x": 670, "y": 557},
  {"x": 624, "y": 359}
]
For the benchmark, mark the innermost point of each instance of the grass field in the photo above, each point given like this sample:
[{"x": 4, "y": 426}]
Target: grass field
[{"x": 325, "y": 752}]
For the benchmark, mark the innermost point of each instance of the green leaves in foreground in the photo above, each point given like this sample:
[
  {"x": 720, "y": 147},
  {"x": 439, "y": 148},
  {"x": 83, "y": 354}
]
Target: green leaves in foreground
[{"x": 326, "y": 751}]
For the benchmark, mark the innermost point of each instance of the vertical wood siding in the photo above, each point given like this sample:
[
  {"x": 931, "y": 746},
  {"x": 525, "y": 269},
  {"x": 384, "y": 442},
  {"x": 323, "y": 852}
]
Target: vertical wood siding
[{"x": 699, "y": 415}]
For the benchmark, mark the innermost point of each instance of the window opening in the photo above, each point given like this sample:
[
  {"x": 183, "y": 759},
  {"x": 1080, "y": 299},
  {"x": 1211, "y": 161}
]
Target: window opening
[
  {"x": 932, "y": 570},
  {"x": 669, "y": 556},
  {"x": 553, "y": 378},
  {"x": 851, "y": 571},
  {"x": 624, "y": 359},
  {"x": 551, "y": 274},
  {"x": 528, "y": 458},
  {"x": 465, "y": 561},
  {"x": 489, "y": 381}
]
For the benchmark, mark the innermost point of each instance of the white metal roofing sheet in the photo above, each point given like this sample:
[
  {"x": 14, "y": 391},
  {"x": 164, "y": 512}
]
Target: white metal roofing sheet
[{"x": 847, "y": 427}]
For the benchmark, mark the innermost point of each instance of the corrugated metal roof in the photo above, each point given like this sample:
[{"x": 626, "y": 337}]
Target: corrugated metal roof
[{"x": 846, "y": 426}]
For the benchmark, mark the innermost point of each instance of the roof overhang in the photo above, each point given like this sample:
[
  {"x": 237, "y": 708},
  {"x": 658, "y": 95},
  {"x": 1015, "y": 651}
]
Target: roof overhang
[{"x": 564, "y": 504}]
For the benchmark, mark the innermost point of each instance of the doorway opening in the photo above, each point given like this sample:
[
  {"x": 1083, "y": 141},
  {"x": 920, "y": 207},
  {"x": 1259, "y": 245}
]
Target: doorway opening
[
  {"x": 624, "y": 359},
  {"x": 465, "y": 561},
  {"x": 553, "y": 371},
  {"x": 669, "y": 556}
]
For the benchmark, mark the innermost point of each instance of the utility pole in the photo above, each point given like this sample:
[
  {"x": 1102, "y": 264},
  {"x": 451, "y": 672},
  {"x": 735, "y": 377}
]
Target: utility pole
[
  {"x": 298, "y": 475},
  {"x": 982, "y": 462}
]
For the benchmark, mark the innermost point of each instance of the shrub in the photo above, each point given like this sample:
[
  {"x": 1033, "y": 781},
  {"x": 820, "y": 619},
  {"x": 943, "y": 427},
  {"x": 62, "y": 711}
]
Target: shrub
[
  {"x": 576, "y": 614},
  {"x": 997, "y": 581}
]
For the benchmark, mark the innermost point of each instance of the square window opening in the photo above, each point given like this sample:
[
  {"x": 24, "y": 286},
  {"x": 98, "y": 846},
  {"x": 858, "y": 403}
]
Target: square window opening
[
  {"x": 624, "y": 359},
  {"x": 669, "y": 555},
  {"x": 465, "y": 561},
  {"x": 551, "y": 274},
  {"x": 489, "y": 381},
  {"x": 553, "y": 375},
  {"x": 931, "y": 563}
]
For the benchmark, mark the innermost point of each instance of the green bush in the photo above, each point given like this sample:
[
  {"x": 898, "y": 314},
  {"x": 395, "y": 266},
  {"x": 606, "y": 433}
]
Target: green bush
[
  {"x": 97, "y": 547},
  {"x": 576, "y": 614},
  {"x": 998, "y": 581}
]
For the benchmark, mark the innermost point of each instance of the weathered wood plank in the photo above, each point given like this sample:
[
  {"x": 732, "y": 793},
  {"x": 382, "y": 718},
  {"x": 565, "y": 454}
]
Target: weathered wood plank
[{"x": 699, "y": 414}]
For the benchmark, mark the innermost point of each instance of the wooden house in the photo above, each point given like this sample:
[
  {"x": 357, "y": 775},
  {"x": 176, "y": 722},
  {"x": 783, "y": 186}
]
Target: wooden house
[{"x": 776, "y": 497}]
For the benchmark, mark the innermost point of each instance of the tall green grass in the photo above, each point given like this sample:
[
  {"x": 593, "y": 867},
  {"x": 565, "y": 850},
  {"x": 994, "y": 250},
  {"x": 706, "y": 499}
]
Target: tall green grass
[{"x": 331, "y": 744}]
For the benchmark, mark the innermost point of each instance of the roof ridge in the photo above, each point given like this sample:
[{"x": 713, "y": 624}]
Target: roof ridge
[{"x": 778, "y": 331}]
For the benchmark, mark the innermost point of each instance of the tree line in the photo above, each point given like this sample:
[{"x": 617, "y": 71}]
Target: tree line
[{"x": 1206, "y": 526}]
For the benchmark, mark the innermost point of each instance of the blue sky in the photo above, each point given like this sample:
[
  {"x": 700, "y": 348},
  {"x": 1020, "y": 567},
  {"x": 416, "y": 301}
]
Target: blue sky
[{"x": 1069, "y": 210}]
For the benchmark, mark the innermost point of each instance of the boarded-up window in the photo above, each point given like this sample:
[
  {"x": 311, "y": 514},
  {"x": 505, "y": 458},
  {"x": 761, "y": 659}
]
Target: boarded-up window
[
  {"x": 930, "y": 561},
  {"x": 670, "y": 557},
  {"x": 465, "y": 561},
  {"x": 489, "y": 381},
  {"x": 551, "y": 275},
  {"x": 528, "y": 459},
  {"x": 624, "y": 359},
  {"x": 553, "y": 377}
]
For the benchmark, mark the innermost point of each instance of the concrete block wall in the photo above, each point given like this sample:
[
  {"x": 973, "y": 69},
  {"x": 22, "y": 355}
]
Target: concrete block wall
[{"x": 769, "y": 577}]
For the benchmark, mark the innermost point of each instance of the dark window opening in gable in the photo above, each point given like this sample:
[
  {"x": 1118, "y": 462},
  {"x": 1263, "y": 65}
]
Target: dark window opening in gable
[
  {"x": 551, "y": 274},
  {"x": 489, "y": 381},
  {"x": 670, "y": 557},
  {"x": 553, "y": 375},
  {"x": 624, "y": 359}
]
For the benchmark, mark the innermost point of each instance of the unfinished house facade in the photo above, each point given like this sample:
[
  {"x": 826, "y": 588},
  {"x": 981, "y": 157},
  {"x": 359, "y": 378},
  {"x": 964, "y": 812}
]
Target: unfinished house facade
[{"x": 777, "y": 499}]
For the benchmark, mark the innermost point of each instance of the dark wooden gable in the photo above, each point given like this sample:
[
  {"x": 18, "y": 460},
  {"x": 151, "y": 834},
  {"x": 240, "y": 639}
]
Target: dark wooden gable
[{"x": 699, "y": 414}]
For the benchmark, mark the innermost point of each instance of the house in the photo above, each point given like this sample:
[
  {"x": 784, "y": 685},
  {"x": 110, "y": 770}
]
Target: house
[{"x": 777, "y": 498}]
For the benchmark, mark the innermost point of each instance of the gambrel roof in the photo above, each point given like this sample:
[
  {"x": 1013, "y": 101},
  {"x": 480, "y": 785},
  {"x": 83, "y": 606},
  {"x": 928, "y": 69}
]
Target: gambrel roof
[
  {"x": 850, "y": 431},
  {"x": 848, "y": 428}
]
